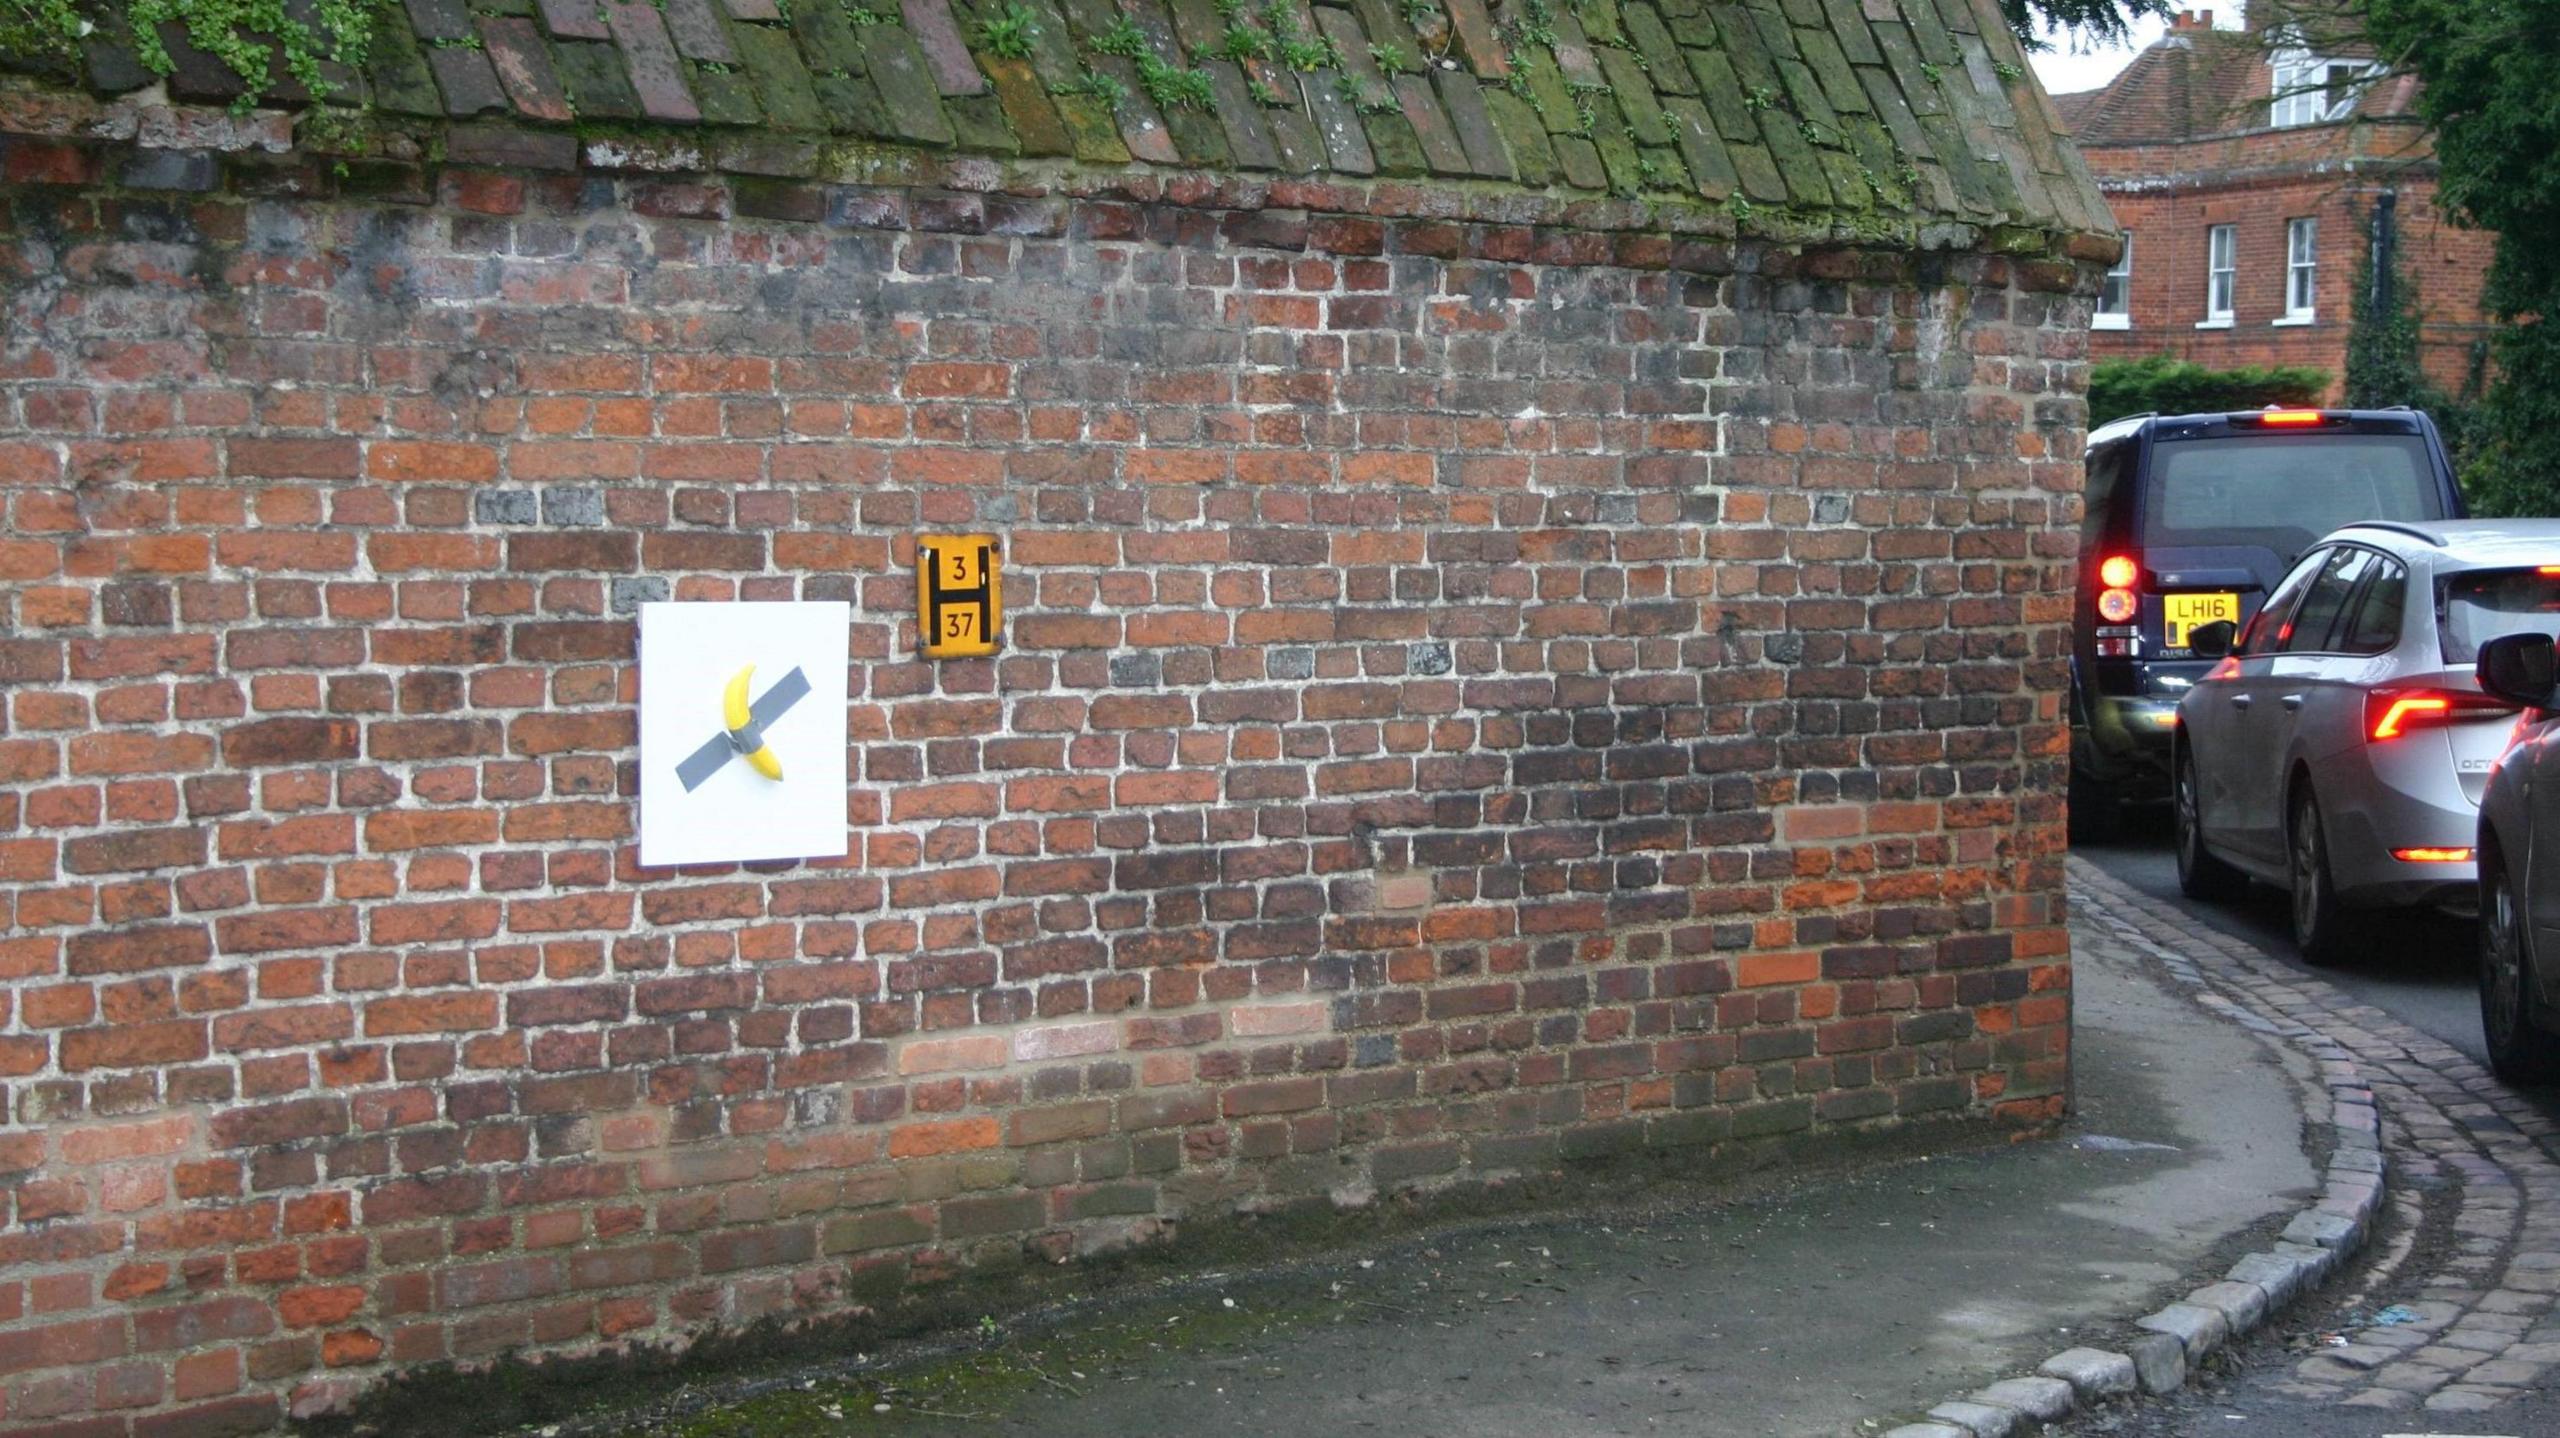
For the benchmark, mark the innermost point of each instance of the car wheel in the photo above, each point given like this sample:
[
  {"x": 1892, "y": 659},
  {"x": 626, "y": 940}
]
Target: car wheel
[
  {"x": 2200, "y": 874},
  {"x": 2319, "y": 923},
  {"x": 2519, "y": 1050}
]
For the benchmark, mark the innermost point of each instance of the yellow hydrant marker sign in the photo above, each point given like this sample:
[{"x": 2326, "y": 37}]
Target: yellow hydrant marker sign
[
  {"x": 742, "y": 731},
  {"x": 959, "y": 595}
]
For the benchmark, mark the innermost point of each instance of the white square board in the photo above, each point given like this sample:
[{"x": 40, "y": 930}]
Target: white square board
[{"x": 701, "y": 801}]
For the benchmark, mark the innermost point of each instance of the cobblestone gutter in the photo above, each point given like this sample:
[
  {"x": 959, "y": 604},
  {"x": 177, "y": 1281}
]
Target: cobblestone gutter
[{"x": 2260, "y": 994}]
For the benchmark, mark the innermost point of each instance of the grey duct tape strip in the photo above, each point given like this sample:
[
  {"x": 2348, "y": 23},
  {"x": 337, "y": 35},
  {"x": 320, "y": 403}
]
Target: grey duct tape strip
[{"x": 704, "y": 762}]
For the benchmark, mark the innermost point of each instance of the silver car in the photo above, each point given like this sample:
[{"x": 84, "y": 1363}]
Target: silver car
[{"x": 2340, "y": 748}]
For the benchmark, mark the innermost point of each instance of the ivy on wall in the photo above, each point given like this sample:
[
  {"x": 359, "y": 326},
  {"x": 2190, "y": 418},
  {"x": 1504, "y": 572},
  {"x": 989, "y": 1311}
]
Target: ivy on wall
[{"x": 2384, "y": 368}]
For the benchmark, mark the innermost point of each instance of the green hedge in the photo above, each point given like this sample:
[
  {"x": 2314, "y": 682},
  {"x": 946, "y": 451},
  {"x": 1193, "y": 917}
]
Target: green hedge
[{"x": 2165, "y": 384}]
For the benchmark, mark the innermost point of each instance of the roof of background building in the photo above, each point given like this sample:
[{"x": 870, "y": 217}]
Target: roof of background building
[
  {"x": 1882, "y": 115},
  {"x": 2194, "y": 84}
]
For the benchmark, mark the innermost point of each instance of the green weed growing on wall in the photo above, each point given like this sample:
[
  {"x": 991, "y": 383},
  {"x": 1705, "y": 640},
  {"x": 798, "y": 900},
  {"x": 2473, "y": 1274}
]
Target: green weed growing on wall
[
  {"x": 1175, "y": 88},
  {"x": 41, "y": 30},
  {"x": 1123, "y": 39},
  {"x": 245, "y": 35},
  {"x": 1008, "y": 33}
]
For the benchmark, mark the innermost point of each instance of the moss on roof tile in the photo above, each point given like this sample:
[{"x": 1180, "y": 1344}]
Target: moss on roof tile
[{"x": 1909, "y": 110}]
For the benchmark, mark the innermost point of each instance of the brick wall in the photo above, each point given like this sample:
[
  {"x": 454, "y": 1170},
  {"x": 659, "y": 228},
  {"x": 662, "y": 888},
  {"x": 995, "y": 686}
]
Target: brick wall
[
  {"x": 2167, "y": 196},
  {"x": 1477, "y": 697}
]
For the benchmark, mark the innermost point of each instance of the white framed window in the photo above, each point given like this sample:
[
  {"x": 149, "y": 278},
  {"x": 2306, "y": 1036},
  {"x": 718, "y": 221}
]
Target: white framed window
[
  {"x": 2301, "y": 268},
  {"x": 2312, "y": 90},
  {"x": 2115, "y": 297},
  {"x": 2221, "y": 273}
]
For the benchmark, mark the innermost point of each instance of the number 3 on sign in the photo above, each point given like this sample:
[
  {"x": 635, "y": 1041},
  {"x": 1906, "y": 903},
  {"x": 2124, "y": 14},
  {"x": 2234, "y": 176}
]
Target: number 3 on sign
[{"x": 959, "y": 595}]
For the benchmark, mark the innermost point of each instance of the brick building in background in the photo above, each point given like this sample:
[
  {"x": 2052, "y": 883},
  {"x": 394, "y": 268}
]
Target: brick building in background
[
  {"x": 2246, "y": 167},
  {"x": 1537, "y": 624}
]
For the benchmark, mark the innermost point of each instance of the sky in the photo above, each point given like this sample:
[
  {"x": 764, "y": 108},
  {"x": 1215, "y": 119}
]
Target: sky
[{"x": 2064, "y": 72}]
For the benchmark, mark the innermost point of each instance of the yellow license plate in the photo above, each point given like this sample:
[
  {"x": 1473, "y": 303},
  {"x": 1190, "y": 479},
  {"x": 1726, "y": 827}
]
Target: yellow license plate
[{"x": 2180, "y": 613}]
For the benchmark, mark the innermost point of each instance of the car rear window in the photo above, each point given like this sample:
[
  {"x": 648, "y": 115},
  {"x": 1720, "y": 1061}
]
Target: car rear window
[
  {"x": 2282, "y": 491},
  {"x": 2477, "y": 607}
]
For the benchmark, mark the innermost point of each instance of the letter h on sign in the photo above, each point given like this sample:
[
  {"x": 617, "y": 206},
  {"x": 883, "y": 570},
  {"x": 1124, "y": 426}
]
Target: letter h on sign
[{"x": 959, "y": 595}]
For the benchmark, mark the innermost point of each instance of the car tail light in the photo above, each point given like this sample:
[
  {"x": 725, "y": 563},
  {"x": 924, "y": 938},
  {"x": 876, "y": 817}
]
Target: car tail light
[
  {"x": 2392, "y": 713},
  {"x": 2432, "y": 856},
  {"x": 2289, "y": 418},
  {"x": 2117, "y": 603}
]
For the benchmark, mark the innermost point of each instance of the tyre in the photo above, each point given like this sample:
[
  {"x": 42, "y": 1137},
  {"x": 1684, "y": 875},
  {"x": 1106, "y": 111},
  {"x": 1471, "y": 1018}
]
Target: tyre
[
  {"x": 2200, "y": 874},
  {"x": 2320, "y": 923},
  {"x": 2519, "y": 1050}
]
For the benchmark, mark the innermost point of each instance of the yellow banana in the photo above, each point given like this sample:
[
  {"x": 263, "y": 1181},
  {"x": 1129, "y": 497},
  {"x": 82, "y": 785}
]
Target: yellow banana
[{"x": 737, "y": 715}]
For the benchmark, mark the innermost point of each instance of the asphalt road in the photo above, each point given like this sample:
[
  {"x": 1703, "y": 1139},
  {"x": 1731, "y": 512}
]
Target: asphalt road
[{"x": 2422, "y": 973}]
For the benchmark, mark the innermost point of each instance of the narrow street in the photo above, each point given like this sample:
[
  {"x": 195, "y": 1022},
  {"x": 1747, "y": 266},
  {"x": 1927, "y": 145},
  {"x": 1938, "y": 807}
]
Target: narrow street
[
  {"x": 2444, "y": 1325},
  {"x": 2425, "y": 982}
]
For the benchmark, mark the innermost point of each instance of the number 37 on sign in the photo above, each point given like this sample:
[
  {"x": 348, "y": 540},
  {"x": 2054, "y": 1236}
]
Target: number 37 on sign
[{"x": 959, "y": 595}]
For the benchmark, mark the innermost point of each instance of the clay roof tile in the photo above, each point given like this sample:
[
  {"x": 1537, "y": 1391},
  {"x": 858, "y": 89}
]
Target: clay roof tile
[{"x": 1873, "y": 110}]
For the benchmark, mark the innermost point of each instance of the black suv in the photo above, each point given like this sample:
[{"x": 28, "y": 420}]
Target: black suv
[{"x": 2191, "y": 519}]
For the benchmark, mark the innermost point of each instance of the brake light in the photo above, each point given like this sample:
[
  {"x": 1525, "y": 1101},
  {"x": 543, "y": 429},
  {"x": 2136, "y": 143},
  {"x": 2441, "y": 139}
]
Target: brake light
[
  {"x": 2292, "y": 418},
  {"x": 2117, "y": 603},
  {"x": 2432, "y": 856},
  {"x": 2405, "y": 712},
  {"x": 2392, "y": 713}
]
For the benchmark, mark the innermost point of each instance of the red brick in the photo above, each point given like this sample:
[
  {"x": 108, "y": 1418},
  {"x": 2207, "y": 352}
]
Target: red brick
[
  {"x": 429, "y": 1013},
  {"x": 134, "y": 1045},
  {"x": 279, "y": 1122},
  {"x": 91, "y": 1144},
  {"x": 270, "y": 930},
  {"x": 289, "y": 741},
  {"x": 435, "y": 923},
  {"x": 440, "y": 462},
  {"x": 399, "y": 829},
  {"x": 30, "y": 661},
  {"x": 921, "y": 1140},
  {"x": 295, "y": 458},
  {"x": 196, "y": 1324},
  {"x": 283, "y": 1028},
  {"x": 543, "y": 734},
  {"x": 562, "y": 642},
  {"x": 225, "y": 1418},
  {"x": 137, "y": 949},
  {"x": 62, "y": 1345},
  {"x": 133, "y": 851}
]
